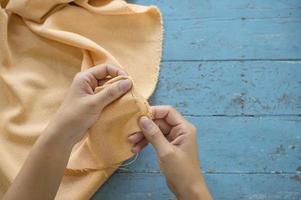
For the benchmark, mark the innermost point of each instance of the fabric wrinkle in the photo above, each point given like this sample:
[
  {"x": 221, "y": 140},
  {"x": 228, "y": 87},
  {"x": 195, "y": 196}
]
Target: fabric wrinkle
[{"x": 43, "y": 44}]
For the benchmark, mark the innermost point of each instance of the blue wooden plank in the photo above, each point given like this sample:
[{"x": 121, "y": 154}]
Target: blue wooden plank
[
  {"x": 241, "y": 145},
  {"x": 243, "y": 157},
  {"x": 231, "y": 88},
  {"x": 222, "y": 186},
  {"x": 226, "y": 9},
  {"x": 250, "y": 29}
]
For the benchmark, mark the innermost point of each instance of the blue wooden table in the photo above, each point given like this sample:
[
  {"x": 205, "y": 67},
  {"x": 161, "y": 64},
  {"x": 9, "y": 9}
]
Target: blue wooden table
[{"x": 232, "y": 67}]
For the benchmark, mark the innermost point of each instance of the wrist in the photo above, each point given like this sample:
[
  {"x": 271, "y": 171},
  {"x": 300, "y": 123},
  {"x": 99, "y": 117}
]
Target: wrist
[
  {"x": 196, "y": 191},
  {"x": 58, "y": 135},
  {"x": 68, "y": 126},
  {"x": 193, "y": 191}
]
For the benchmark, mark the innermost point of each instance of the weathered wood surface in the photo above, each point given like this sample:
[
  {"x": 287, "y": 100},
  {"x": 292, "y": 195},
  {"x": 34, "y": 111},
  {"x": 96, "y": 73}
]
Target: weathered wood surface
[
  {"x": 230, "y": 29},
  {"x": 233, "y": 68},
  {"x": 224, "y": 186},
  {"x": 231, "y": 88},
  {"x": 241, "y": 145}
]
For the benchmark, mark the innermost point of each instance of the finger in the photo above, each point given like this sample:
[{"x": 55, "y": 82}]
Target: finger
[
  {"x": 103, "y": 81},
  {"x": 113, "y": 92},
  {"x": 179, "y": 140},
  {"x": 177, "y": 131},
  {"x": 136, "y": 138},
  {"x": 168, "y": 113},
  {"x": 153, "y": 134},
  {"x": 164, "y": 127},
  {"x": 139, "y": 146},
  {"x": 102, "y": 71}
]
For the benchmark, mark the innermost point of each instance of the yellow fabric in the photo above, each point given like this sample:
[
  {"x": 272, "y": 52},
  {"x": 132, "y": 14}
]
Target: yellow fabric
[
  {"x": 42, "y": 45},
  {"x": 116, "y": 123}
]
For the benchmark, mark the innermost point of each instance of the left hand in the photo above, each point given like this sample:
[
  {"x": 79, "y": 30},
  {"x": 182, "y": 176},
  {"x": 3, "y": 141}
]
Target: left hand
[{"x": 82, "y": 107}]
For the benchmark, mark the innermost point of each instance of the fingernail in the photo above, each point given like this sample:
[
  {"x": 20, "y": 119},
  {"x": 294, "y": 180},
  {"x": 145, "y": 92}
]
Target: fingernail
[
  {"x": 135, "y": 138},
  {"x": 146, "y": 123},
  {"x": 124, "y": 85},
  {"x": 132, "y": 139}
]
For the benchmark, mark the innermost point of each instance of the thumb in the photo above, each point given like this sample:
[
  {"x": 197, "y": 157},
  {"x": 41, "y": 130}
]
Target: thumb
[
  {"x": 113, "y": 92},
  {"x": 154, "y": 135}
]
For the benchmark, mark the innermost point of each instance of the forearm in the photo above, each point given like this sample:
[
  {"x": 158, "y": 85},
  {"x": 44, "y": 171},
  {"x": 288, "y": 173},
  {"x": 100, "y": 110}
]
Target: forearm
[{"x": 43, "y": 170}]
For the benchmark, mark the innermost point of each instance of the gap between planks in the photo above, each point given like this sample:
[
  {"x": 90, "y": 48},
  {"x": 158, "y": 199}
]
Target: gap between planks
[
  {"x": 235, "y": 60},
  {"x": 244, "y": 115},
  {"x": 213, "y": 172}
]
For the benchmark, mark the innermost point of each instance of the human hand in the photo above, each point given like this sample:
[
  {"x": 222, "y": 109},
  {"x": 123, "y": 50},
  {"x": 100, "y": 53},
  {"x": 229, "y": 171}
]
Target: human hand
[
  {"x": 82, "y": 107},
  {"x": 174, "y": 140}
]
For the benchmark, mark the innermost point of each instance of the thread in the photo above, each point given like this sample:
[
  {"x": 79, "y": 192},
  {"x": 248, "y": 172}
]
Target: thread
[
  {"x": 79, "y": 172},
  {"x": 122, "y": 167}
]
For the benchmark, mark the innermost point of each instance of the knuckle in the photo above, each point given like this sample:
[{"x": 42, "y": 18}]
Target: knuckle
[
  {"x": 193, "y": 128},
  {"x": 181, "y": 128},
  {"x": 186, "y": 128},
  {"x": 82, "y": 77},
  {"x": 154, "y": 133},
  {"x": 168, "y": 153},
  {"x": 92, "y": 104},
  {"x": 111, "y": 93},
  {"x": 78, "y": 76},
  {"x": 102, "y": 65},
  {"x": 169, "y": 107},
  {"x": 192, "y": 134}
]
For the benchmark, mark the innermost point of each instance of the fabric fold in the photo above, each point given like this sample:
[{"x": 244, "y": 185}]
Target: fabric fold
[
  {"x": 43, "y": 44},
  {"x": 116, "y": 123}
]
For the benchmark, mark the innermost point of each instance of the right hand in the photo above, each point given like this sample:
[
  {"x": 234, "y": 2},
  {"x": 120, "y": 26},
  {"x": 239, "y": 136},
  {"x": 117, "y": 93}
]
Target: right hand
[{"x": 174, "y": 140}]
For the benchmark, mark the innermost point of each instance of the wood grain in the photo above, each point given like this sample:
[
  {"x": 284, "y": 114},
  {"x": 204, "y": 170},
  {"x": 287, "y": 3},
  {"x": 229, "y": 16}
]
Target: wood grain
[
  {"x": 231, "y": 88},
  {"x": 230, "y": 29},
  {"x": 233, "y": 68},
  {"x": 241, "y": 145},
  {"x": 223, "y": 186}
]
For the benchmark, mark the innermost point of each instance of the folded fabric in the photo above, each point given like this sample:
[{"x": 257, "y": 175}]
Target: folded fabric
[
  {"x": 116, "y": 123},
  {"x": 43, "y": 44}
]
